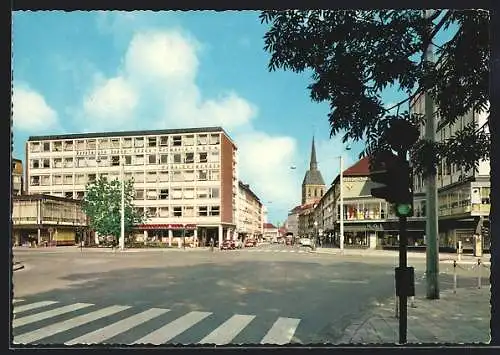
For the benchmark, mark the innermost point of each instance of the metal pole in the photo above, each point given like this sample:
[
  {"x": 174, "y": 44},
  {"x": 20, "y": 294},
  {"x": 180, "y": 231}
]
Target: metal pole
[
  {"x": 122, "y": 211},
  {"x": 403, "y": 298},
  {"x": 341, "y": 203},
  {"x": 478, "y": 273},
  {"x": 454, "y": 276},
  {"x": 431, "y": 228}
]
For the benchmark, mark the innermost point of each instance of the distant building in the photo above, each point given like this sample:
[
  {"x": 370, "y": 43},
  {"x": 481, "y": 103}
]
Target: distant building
[
  {"x": 271, "y": 232},
  {"x": 47, "y": 220},
  {"x": 17, "y": 177},
  {"x": 313, "y": 185},
  {"x": 249, "y": 221},
  {"x": 306, "y": 219},
  {"x": 292, "y": 221}
]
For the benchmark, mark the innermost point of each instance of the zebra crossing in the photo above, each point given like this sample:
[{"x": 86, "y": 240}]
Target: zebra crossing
[
  {"x": 87, "y": 323},
  {"x": 270, "y": 250}
]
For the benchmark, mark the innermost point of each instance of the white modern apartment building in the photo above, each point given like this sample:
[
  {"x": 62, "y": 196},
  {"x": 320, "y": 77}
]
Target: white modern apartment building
[
  {"x": 463, "y": 195},
  {"x": 184, "y": 179},
  {"x": 250, "y": 217}
]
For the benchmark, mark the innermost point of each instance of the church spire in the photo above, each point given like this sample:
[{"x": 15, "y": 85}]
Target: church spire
[{"x": 313, "y": 165}]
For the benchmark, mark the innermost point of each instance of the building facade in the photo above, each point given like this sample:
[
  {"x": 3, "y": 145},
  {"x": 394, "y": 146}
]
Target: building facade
[
  {"x": 250, "y": 216},
  {"x": 46, "y": 220},
  {"x": 185, "y": 179},
  {"x": 271, "y": 232},
  {"x": 313, "y": 185},
  {"x": 292, "y": 222},
  {"x": 17, "y": 177},
  {"x": 463, "y": 195}
]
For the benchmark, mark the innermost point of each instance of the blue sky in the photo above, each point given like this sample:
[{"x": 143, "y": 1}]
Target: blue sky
[{"x": 101, "y": 71}]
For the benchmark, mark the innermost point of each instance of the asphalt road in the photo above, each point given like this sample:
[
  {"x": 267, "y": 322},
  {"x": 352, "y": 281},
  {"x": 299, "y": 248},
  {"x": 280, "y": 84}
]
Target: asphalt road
[{"x": 270, "y": 294}]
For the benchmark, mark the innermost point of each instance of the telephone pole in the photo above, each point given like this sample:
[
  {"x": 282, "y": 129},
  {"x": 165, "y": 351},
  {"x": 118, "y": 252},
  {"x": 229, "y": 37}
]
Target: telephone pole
[{"x": 431, "y": 227}]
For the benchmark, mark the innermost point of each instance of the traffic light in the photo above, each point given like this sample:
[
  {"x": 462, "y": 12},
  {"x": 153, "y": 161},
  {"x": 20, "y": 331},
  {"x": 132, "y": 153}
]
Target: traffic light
[{"x": 394, "y": 173}]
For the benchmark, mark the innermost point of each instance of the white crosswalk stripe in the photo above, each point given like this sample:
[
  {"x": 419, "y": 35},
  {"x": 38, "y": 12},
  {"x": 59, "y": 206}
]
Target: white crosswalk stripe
[
  {"x": 226, "y": 330},
  {"x": 103, "y": 334},
  {"x": 14, "y": 301},
  {"x": 282, "y": 331},
  {"x": 172, "y": 329},
  {"x": 48, "y": 314},
  {"x": 29, "y": 307},
  {"x": 56, "y": 328}
]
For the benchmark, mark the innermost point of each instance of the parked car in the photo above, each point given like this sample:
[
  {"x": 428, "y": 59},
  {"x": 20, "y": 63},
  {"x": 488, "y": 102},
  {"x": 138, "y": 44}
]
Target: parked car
[
  {"x": 228, "y": 245},
  {"x": 305, "y": 242},
  {"x": 250, "y": 243}
]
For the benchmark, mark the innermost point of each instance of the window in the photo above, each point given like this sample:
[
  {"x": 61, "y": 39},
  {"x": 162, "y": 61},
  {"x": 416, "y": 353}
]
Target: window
[
  {"x": 188, "y": 193},
  {"x": 46, "y": 146},
  {"x": 177, "y": 141},
  {"x": 104, "y": 176},
  {"x": 163, "y": 158},
  {"x": 202, "y": 175},
  {"x": 177, "y": 158},
  {"x": 139, "y": 194},
  {"x": 177, "y": 194},
  {"x": 69, "y": 194},
  {"x": 163, "y": 141},
  {"x": 68, "y": 145},
  {"x": 115, "y": 160},
  {"x": 151, "y": 211},
  {"x": 163, "y": 211},
  {"x": 128, "y": 160},
  {"x": 214, "y": 211},
  {"x": 202, "y": 157},
  {"x": 56, "y": 179},
  {"x": 189, "y": 158},
  {"x": 139, "y": 159},
  {"x": 45, "y": 180},
  {"x": 80, "y": 145},
  {"x": 127, "y": 142},
  {"x": 80, "y": 179},
  {"x": 91, "y": 162},
  {"x": 202, "y": 139},
  {"x": 151, "y": 194},
  {"x": 214, "y": 157},
  {"x": 177, "y": 176},
  {"x": 103, "y": 143},
  {"x": 68, "y": 179},
  {"x": 163, "y": 176},
  {"x": 151, "y": 176},
  {"x": 214, "y": 192},
  {"x": 139, "y": 142},
  {"x": 202, "y": 211},
  {"x": 68, "y": 162},
  {"x": 152, "y": 142},
  {"x": 35, "y": 147},
  {"x": 214, "y": 175},
  {"x": 35, "y": 163},
  {"x": 103, "y": 161},
  {"x": 189, "y": 140},
  {"x": 46, "y": 163},
  {"x": 57, "y": 146},
  {"x": 188, "y": 211},
  {"x": 91, "y": 144},
  {"x": 202, "y": 192},
  {"x": 177, "y": 211},
  {"x": 92, "y": 177},
  {"x": 189, "y": 175},
  {"x": 35, "y": 181},
  {"x": 80, "y": 195},
  {"x": 214, "y": 138},
  {"x": 164, "y": 194},
  {"x": 152, "y": 159}
]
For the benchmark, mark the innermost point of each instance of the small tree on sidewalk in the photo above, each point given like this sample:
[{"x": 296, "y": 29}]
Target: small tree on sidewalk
[{"x": 102, "y": 204}]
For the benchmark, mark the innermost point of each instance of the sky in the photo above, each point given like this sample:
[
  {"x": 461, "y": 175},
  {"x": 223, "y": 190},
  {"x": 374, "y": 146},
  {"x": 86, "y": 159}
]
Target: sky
[{"x": 112, "y": 71}]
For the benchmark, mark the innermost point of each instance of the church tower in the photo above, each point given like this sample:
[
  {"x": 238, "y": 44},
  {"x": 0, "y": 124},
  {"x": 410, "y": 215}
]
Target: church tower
[{"x": 313, "y": 186}]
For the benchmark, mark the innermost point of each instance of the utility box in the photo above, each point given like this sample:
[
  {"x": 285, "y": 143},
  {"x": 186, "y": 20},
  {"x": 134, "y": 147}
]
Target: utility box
[{"x": 405, "y": 281}]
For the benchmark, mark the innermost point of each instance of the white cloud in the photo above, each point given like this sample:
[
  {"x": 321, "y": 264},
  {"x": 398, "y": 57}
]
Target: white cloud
[{"x": 31, "y": 113}]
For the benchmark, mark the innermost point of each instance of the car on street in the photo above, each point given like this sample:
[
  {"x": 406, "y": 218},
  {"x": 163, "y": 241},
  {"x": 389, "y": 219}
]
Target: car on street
[
  {"x": 305, "y": 242},
  {"x": 250, "y": 243},
  {"x": 228, "y": 245}
]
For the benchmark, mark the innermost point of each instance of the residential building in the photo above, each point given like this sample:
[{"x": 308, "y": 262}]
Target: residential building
[
  {"x": 249, "y": 222},
  {"x": 313, "y": 185},
  {"x": 463, "y": 195},
  {"x": 185, "y": 179},
  {"x": 307, "y": 219},
  {"x": 271, "y": 232},
  {"x": 292, "y": 222},
  {"x": 17, "y": 177},
  {"x": 46, "y": 220}
]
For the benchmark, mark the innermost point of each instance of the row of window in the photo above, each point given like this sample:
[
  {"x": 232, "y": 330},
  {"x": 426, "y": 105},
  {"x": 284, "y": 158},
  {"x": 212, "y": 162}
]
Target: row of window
[
  {"x": 138, "y": 176},
  {"x": 128, "y": 142},
  {"x": 137, "y": 159},
  {"x": 179, "y": 211},
  {"x": 177, "y": 193}
]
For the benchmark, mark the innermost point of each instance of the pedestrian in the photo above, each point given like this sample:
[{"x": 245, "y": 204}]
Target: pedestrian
[{"x": 212, "y": 244}]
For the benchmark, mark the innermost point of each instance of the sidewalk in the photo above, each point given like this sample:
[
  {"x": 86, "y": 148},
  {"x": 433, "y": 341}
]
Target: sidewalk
[
  {"x": 461, "y": 318},
  {"x": 395, "y": 253}
]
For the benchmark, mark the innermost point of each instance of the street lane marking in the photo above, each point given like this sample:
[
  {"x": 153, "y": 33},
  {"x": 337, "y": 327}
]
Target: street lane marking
[
  {"x": 103, "y": 334},
  {"x": 281, "y": 332},
  {"x": 48, "y": 314},
  {"x": 29, "y": 307},
  {"x": 285, "y": 251},
  {"x": 227, "y": 331},
  {"x": 172, "y": 329},
  {"x": 60, "y": 327},
  {"x": 14, "y": 301},
  {"x": 338, "y": 281}
]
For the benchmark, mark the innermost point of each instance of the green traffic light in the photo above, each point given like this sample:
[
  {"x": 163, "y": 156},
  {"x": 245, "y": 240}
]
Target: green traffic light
[{"x": 403, "y": 210}]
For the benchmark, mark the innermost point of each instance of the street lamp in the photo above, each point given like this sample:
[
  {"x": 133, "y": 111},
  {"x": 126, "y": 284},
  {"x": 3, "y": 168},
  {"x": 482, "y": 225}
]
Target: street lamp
[{"x": 341, "y": 202}]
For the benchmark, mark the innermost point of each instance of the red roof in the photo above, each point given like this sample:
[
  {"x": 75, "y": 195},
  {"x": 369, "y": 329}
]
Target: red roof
[
  {"x": 269, "y": 226},
  {"x": 361, "y": 168}
]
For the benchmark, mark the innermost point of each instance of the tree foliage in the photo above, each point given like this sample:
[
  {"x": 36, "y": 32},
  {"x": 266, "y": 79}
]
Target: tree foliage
[
  {"x": 354, "y": 55},
  {"x": 102, "y": 204}
]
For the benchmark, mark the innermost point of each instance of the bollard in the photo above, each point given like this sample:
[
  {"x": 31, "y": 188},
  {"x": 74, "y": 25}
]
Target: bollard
[
  {"x": 479, "y": 273},
  {"x": 454, "y": 276}
]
